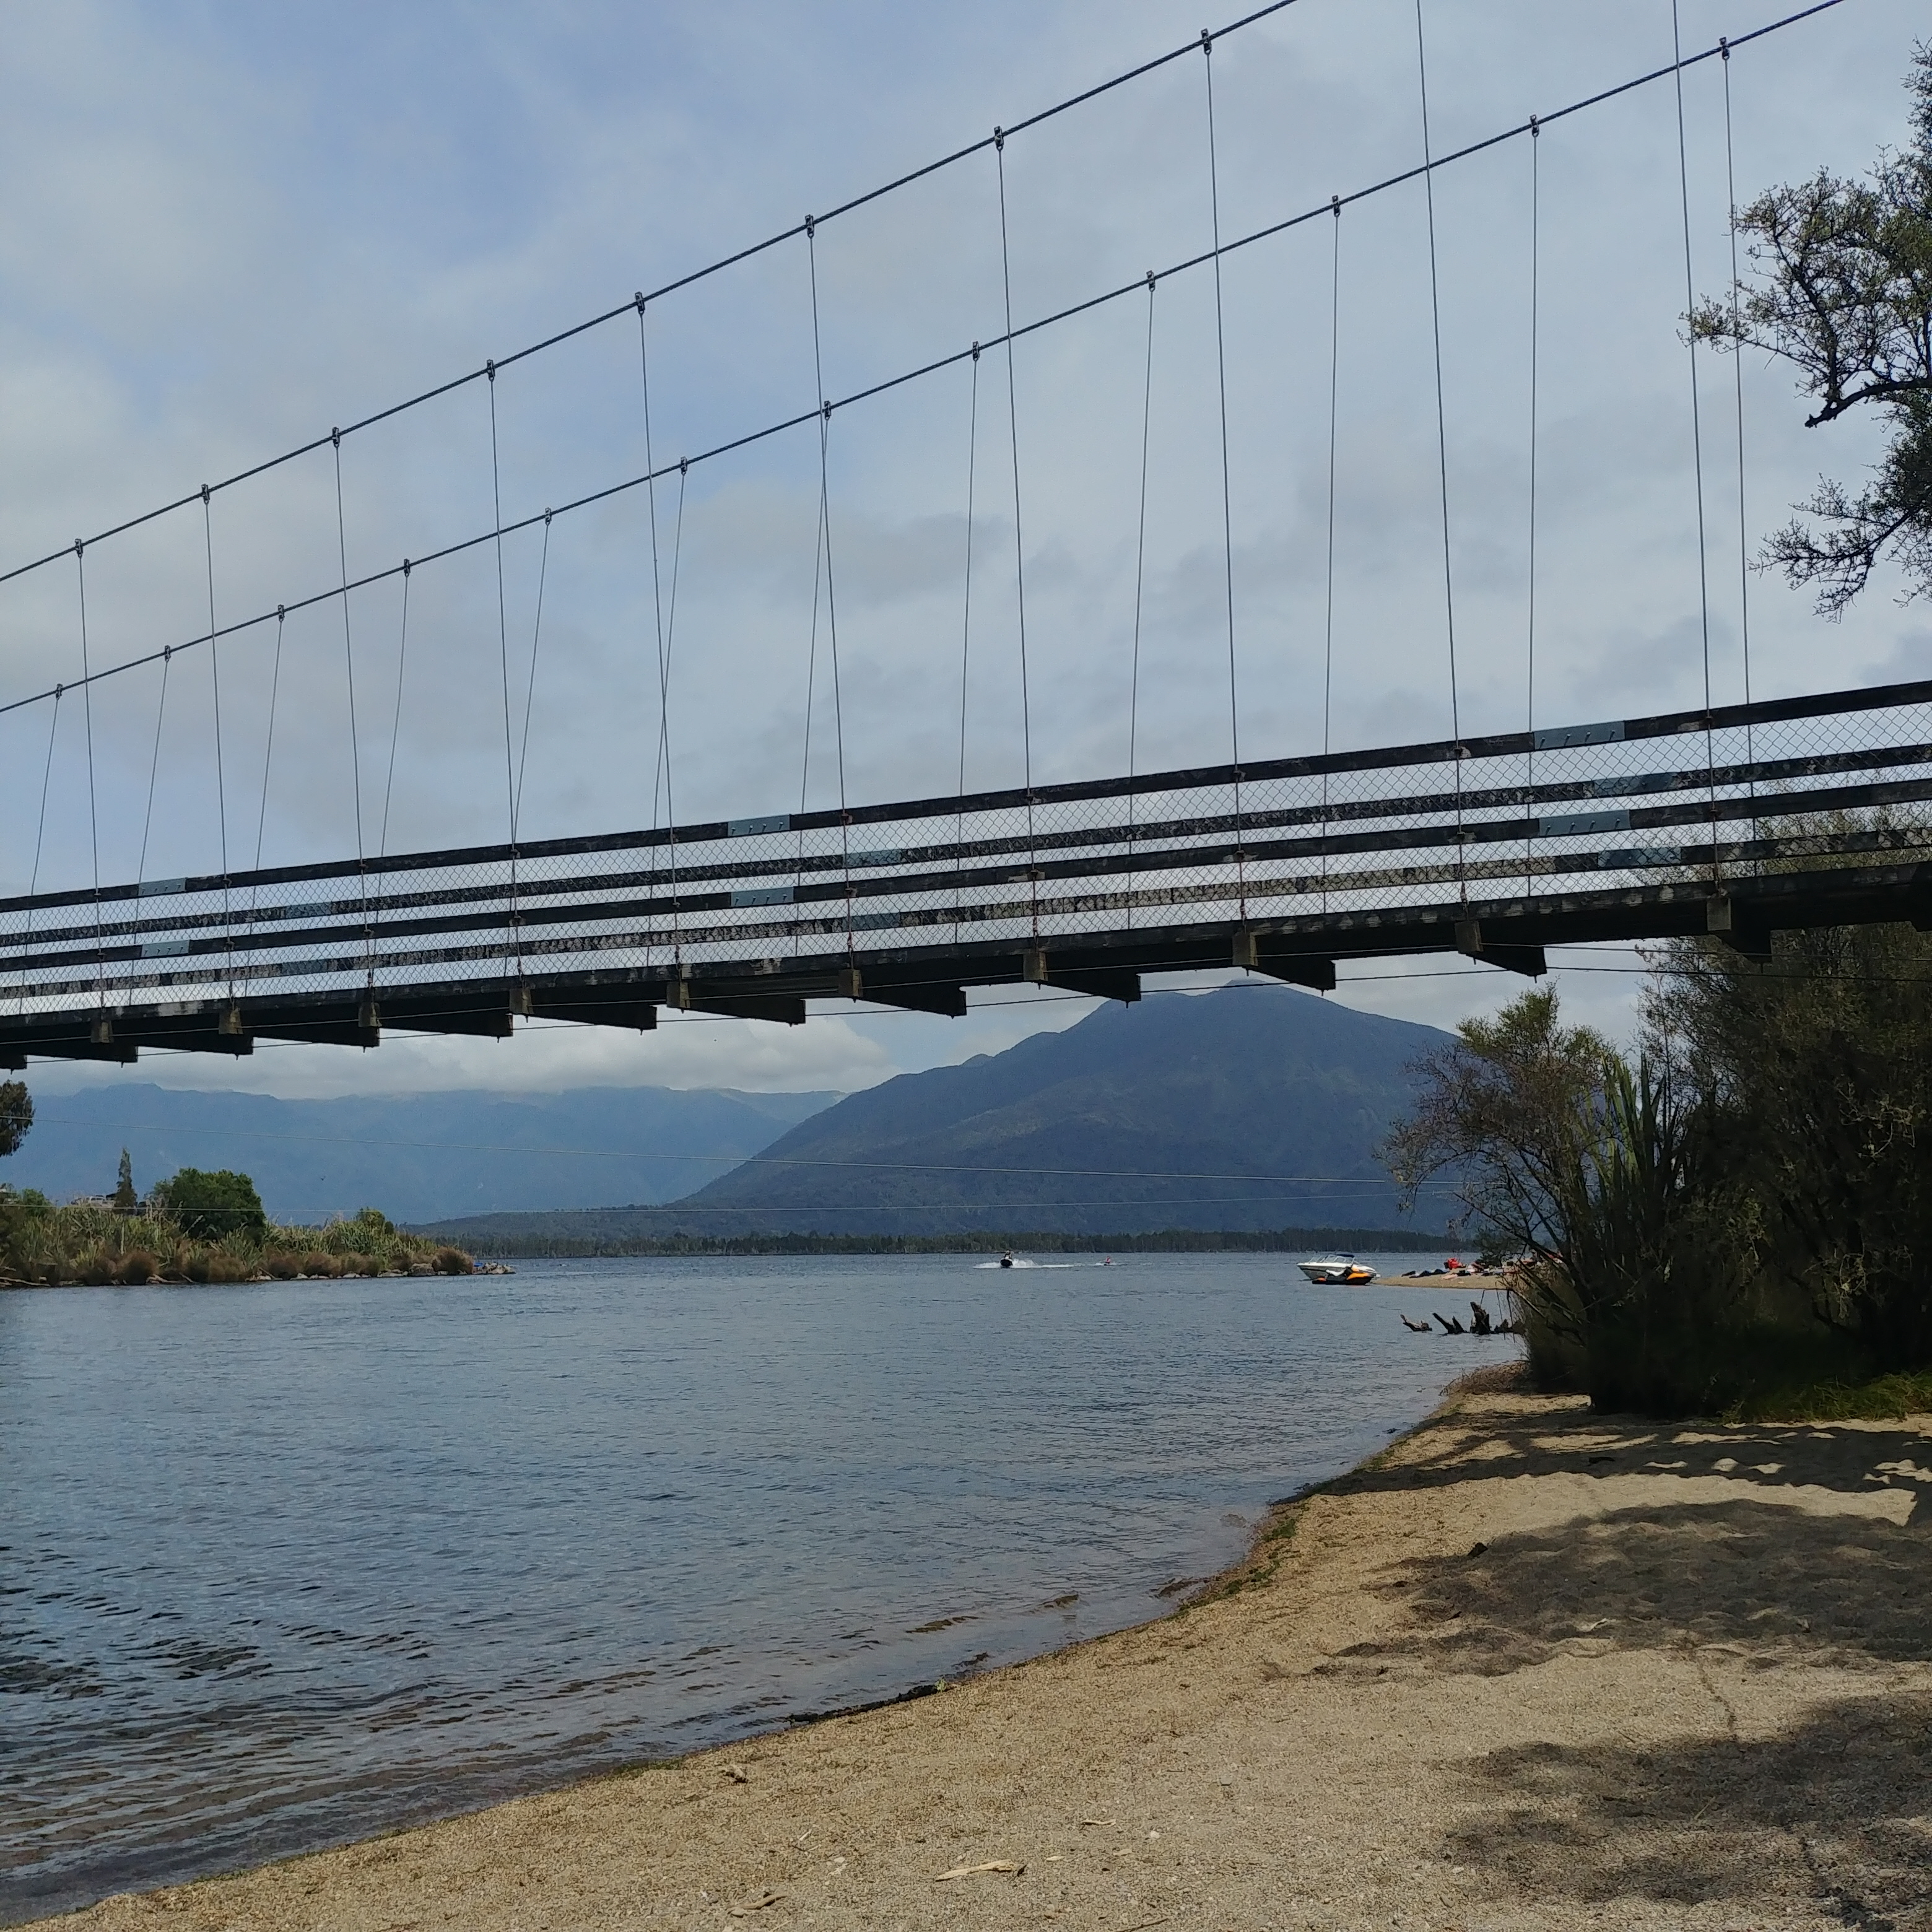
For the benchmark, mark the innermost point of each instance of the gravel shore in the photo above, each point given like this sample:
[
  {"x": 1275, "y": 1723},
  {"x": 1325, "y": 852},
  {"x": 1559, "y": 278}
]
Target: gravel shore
[{"x": 1530, "y": 1668}]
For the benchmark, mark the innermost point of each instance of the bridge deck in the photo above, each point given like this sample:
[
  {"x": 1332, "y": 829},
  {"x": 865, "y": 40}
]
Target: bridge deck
[{"x": 1744, "y": 821}]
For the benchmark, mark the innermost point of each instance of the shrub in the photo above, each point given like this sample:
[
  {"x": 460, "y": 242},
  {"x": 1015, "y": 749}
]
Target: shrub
[
  {"x": 317, "y": 1263},
  {"x": 279, "y": 1265},
  {"x": 208, "y": 1206},
  {"x": 452, "y": 1260},
  {"x": 137, "y": 1266}
]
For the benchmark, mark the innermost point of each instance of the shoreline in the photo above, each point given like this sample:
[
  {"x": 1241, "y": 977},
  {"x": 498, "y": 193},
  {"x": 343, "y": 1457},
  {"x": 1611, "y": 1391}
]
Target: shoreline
[{"x": 1523, "y": 1664}]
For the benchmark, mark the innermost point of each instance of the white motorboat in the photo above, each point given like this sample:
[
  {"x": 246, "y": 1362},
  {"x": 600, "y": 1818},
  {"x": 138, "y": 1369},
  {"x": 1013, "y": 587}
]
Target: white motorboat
[{"x": 1344, "y": 1269}]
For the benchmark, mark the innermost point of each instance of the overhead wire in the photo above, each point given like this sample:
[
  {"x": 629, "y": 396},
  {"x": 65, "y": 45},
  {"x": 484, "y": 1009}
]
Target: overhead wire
[{"x": 731, "y": 445}]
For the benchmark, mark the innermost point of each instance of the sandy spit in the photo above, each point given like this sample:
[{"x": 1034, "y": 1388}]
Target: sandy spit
[{"x": 1530, "y": 1668}]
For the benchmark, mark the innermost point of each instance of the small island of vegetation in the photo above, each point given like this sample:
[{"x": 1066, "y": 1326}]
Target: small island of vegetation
[{"x": 194, "y": 1227}]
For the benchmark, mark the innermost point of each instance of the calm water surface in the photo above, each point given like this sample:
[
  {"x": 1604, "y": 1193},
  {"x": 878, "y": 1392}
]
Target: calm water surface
[{"x": 284, "y": 1565}]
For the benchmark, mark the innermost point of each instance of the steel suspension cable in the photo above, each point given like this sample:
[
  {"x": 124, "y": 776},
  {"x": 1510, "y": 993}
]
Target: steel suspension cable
[
  {"x": 1227, "y": 489},
  {"x": 269, "y": 745},
  {"x": 1529, "y": 681},
  {"x": 1696, "y": 440},
  {"x": 1019, "y": 543},
  {"x": 686, "y": 281},
  {"x": 664, "y": 762},
  {"x": 40, "y": 836},
  {"x": 1441, "y": 443},
  {"x": 1737, "y": 373},
  {"x": 965, "y": 627},
  {"x": 214, "y": 680},
  {"x": 512, "y": 931},
  {"x": 269, "y": 753},
  {"x": 1140, "y": 581},
  {"x": 87, "y": 712},
  {"x": 396, "y": 719},
  {"x": 732, "y": 445},
  {"x": 657, "y": 574},
  {"x": 1328, "y": 601},
  {"x": 355, "y": 744},
  {"x": 831, "y": 592},
  {"x": 530, "y": 692},
  {"x": 154, "y": 771}
]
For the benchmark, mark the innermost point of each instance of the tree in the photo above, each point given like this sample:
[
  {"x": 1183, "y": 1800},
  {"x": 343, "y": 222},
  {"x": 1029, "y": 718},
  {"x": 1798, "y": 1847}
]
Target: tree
[
  {"x": 125, "y": 1199},
  {"x": 208, "y": 1206},
  {"x": 1841, "y": 289},
  {"x": 17, "y": 1115},
  {"x": 1608, "y": 1187}
]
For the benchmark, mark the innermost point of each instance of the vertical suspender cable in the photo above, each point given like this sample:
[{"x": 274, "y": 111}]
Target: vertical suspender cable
[
  {"x": 1535, "y": 339},
  {"x": 1697, "y": 443},
  {"x": 215, "y": 679},
  {"x": 530, "y": 692},
  {"x": 513, "y": 932},
  {"x": 1441, "y": 451},
  {"x": 966, "y": 637},
  {"x": 87, "y": 712},
  {"x": 1019, "y": 542},
  {"x": 1738, "y": 371},
  {"x": 664, "y": 765},
  {"x": 354, "y": 747},
  {"x": 154, "y": 765},
  {"x": 39, "y": 834},
  {"x": 657, "y": 580},
  {"x": 831, "y": 592},
  {"x": 1227, "y": 492},
  {"x": 396, "y": 721},
  {"x": 811, "y": 684},
  {"x": 268, "y": 745},
  {"x": 1140, "y": 582},
  {"x": 1328, "y": 614}
]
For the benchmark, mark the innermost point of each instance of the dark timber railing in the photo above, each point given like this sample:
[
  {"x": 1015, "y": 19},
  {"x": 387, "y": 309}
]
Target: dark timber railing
[{"x": 1743, "y": 821}]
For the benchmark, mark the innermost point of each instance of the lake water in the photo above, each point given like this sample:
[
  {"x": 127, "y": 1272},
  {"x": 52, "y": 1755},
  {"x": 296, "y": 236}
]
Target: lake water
[{"x": 284, "y": 1565}]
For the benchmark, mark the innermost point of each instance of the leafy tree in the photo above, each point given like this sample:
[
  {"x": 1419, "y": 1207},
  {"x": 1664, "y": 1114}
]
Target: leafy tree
[
  {"x": 125, "y": 1199},
  {"x": 1822, "y": 1065},
  {"x": 1841, "y": 289},
  {"x": 1609, "y": 1186},
  {"x": 206, "y": 1206},
  {"x": 17, "y": 1115}
]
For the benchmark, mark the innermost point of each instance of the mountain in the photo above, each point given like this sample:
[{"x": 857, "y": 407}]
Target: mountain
[
  {"x": 418, "y": 1158},
  {"x": 1249, "y": 1108}
]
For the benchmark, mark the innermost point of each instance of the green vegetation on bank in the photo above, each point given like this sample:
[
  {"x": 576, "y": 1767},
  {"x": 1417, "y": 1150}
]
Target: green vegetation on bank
[
  {"x": 1736, "y": 1220},
  {"x": 195, "y": 1227},
  {"x": 588, "y": 1232}
]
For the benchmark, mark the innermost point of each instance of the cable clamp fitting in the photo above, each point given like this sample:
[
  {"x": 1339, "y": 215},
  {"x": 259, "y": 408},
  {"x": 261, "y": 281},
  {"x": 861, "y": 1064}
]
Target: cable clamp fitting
[
  {"x": 79, "y": 546},
  {"x": 683, "y": 466},
  {"x": 490, "y": 368},
  {"x": 976, "y": 351},
  {"x": 1000, "y": 140},
  {"x": 548, "y": 514},
  {"x": 1535, "y": 128},
  {"x": 335, "y": 437},
  {"x": 1724, "y": 45},
  {"x": 638, "y": 298},
  {"x": 407, "y": 566},
  {"x": 1335, "y": 206},
  {"x": 811, "y": 227},
  {"x": 1207, "y": 41},
  {"x": 281, "y": 612},
  {"x": 825, "y": 408},
  {"x": 205, "y": 494},
  {"x": 1150, "y": 281}
]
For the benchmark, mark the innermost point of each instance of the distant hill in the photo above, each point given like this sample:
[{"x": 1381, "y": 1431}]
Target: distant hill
[
  {"x": 1246, "y": 1108},
  {"x": 419, "y": 1158}
]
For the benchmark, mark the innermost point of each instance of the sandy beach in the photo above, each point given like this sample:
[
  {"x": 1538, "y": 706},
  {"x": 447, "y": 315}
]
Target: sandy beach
[{"x": 1530, "y": 1668}]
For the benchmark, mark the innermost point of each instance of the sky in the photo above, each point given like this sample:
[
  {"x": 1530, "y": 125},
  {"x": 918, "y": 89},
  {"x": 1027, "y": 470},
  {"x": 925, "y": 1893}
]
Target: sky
[{"x": 232, "y": 227}]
